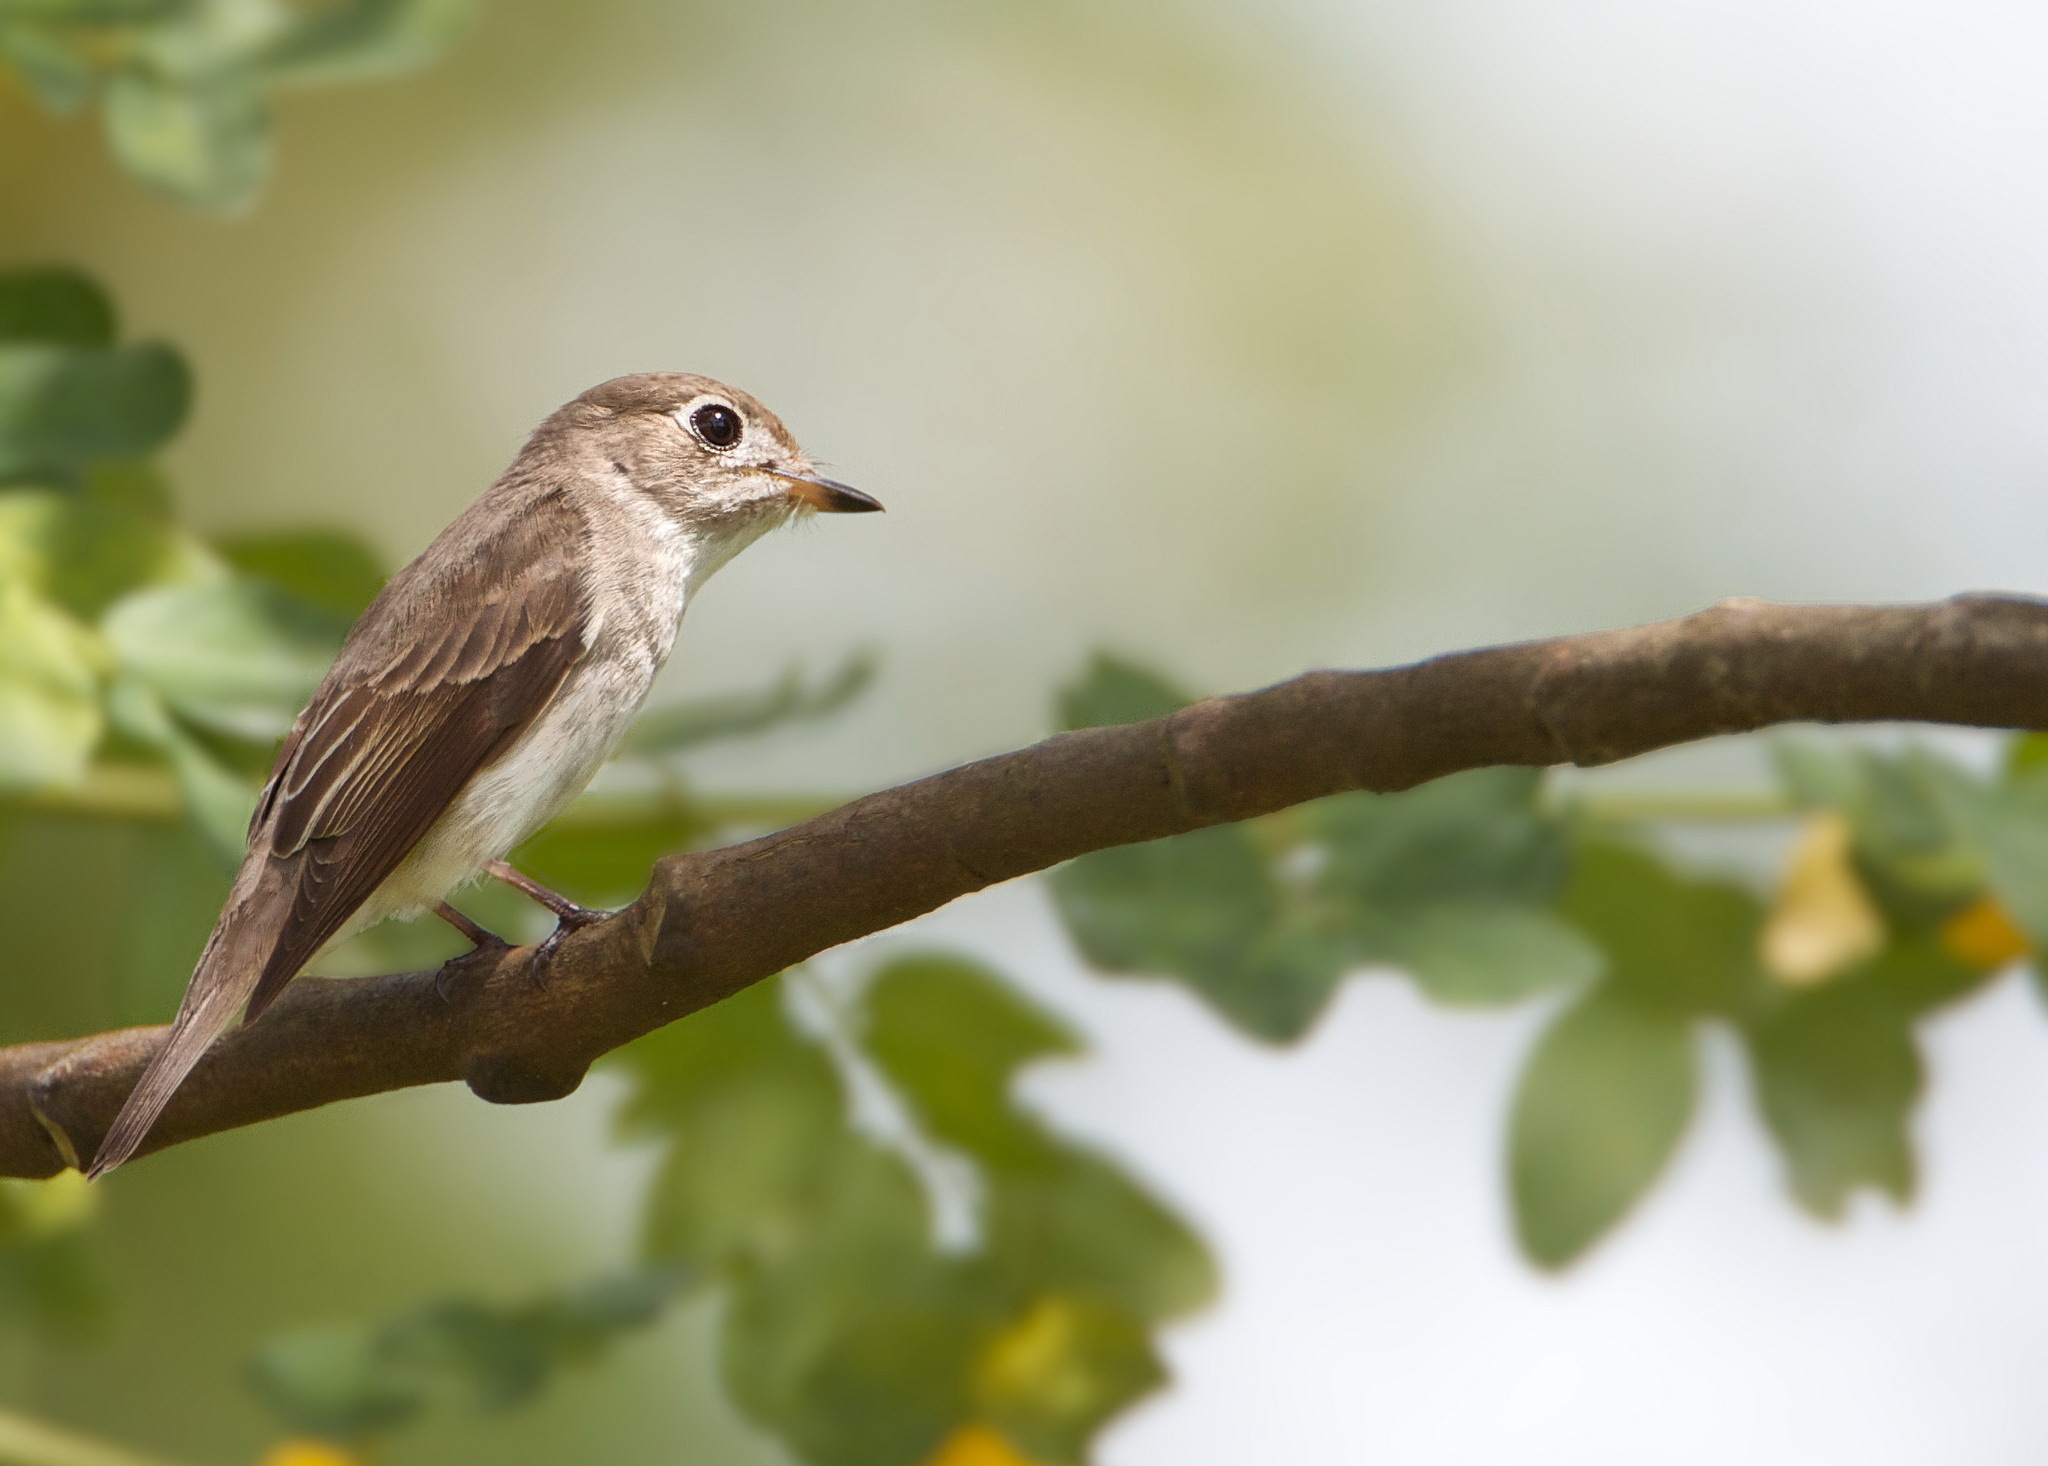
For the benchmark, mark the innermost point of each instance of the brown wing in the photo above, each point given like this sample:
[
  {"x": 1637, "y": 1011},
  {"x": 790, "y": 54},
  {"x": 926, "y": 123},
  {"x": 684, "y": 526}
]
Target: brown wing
[{"x": 448, "y": 667}]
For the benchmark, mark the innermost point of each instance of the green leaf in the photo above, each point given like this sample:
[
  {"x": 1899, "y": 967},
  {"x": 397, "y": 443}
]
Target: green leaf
[
  {"x": 203, "y": 138},
  {"x": 238, "y": 658},
  {"x": 1056, "y": 1375},
  {"x": 345, "y": 1382},
  {"x": 50, "y": 1279},
  {"x": 2026, "y": 753},
  {"x": 86, "y": 549},
  {"x": 952, "y": 1037},
  {"x": 2009, "y": 824},
  {"x": 1113, "y": 691},
  {"x": 1911, "y": 849},
  {"x": 752, "y": 1115},
  {"x": 671, "y": 730},
  {"x": 50, "y": 718},
  {"x": 1479, "y": 953},
  {"x": 62, "y": 407},
  {"x": 106, "y": 918},
  {"x": 1681, "y": 943},
  {"x": 1600, "y": 1108},
  {"x": 1204, "y": 909},
  {"x": 849, "y": 1332},
  {"x": 335, "y": 1381},
  {"x": 55, "y": 306},
  {"x": 61, "y": 78},
  {"x": 1837, "y": 1074},
  {"x": 359, "y": 40},
  {"x": 329, "y": 569},
  {"x": 1451, "y": 881},
  {"x": 1471, "y": 836},
  {"x": 219, "y": 801}
]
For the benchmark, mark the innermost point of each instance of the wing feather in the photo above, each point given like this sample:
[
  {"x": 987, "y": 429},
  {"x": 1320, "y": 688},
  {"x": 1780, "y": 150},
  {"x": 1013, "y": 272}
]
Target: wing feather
[{"x": 414, "y": 708}]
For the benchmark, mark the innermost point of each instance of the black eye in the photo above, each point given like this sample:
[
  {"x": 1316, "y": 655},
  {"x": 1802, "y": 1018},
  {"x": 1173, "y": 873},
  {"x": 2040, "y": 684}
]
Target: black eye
[{"x": 718, "y": 425}]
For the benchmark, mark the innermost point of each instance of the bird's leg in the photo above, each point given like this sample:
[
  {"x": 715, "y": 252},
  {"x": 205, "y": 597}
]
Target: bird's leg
[
  {"x": 569, "y": 917},
  {"x": 489, "y": 946}
]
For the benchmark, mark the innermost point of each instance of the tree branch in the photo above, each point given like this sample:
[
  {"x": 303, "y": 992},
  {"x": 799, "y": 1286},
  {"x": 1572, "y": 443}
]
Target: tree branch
[{"x": 711, "y": 923}]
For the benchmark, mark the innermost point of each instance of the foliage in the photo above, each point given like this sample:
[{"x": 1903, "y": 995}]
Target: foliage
[
  {"x": 346, "y": 1382},
  {"x": 183, "y": 86},
  {"x": 854, "y": 1328},
  {"x": 1914, "y": 882}
]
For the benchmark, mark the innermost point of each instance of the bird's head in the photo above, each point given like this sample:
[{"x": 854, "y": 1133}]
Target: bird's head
[{"x": 709, "y": 454}]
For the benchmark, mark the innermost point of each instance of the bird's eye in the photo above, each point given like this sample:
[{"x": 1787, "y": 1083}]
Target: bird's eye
[{"x": 718, "y": 425}]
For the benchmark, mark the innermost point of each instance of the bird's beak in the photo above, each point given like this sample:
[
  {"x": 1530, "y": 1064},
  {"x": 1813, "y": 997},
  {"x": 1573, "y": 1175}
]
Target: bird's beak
[{"x": 825, "y": 495}]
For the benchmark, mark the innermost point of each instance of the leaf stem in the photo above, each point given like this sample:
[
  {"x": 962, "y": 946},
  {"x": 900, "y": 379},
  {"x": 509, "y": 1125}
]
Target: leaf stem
[
  {"x": 27, "y": 1441},
  {"x": 1653, "y": 806}
]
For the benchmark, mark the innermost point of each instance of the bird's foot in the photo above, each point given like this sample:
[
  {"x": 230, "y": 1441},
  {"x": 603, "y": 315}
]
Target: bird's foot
[
  {"x": 569, "y": 917},
  {"x": 568, "y": 921},
  {"x": 479, "y": 960}
]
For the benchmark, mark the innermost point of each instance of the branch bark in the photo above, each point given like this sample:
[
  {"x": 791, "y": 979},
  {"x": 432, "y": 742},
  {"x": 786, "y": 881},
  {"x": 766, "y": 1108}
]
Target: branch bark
[{"x": 712, "y": 922}]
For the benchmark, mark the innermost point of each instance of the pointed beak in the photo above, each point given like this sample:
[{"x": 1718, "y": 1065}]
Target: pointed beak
[{"x": 827, "y": 496}]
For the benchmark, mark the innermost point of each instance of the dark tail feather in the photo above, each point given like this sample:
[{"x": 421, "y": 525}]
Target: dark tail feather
[{"x": 197, "y": 1026}]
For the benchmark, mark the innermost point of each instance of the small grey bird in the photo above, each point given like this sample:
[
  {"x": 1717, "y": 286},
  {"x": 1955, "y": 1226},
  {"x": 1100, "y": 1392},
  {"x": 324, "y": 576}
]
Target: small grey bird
[{"x": 485, "y": 686}]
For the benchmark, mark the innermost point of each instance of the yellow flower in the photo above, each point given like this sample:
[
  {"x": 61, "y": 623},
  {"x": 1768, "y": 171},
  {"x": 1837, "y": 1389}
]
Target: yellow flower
[
  {"x": 971, "y": 1445},
  {"x": 1822, "y": 921},
  {"x": 1983, "y": 935},
  {"x": 309, "y": 1453}
]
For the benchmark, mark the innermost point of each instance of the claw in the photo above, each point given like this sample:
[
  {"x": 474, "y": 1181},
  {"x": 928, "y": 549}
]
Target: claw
[
  {"x": 478, "y": 961},
  {"x": 481, "y": 957},
  {"x": 568, "y": 921}
]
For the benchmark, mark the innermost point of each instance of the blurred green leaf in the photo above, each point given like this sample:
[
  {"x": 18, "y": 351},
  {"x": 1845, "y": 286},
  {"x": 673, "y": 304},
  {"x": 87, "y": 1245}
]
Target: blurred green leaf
[
  {"x": 1912, "y": 851},
  {"x": 204, "y": 139},
  {"x": 63, "y": 407},
  {"x": 1671, "y": 941},
  {"x": 60, "y": 77},
  {"x": 1204, "y": 909},
  {"x": 219, "y": 801},
  {"x": 2008, "y": 823},
  {"x": 350, "y": 1381},
  {"x": 237, "y": 658},
  {"x": 790, "y": 700},
  {"x": 850, "y": 1331},
  {"x": 951, "y": 1037},
  {"x": 1113, "y": 691},
  {"x": 1476, "y": 836},
  {"x": 329, "y": 569},
  {"x": 50, "y": 719},
  {"x": 1837, "y": 1074},
  {"x": 50, "y": 1280},
  {"x": 1601, "y": 1106},
  {"x": 335, "y": 1381},
  {"x": 2025, "y": 753},
  {"x": 1452, "y": 881},
  {"x": 105, "y": 919},
  {"x": 86, "y": 548},
  {"x": 1057, "y": 1375},
  {"x": 361, "y": 40},
  {"x": 1486, "y": 953},
  {"x": 56, "y": 306}
]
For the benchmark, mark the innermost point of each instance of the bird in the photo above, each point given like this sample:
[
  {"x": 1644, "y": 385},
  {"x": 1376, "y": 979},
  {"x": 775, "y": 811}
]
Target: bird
[{"x": 483, "y": 688}]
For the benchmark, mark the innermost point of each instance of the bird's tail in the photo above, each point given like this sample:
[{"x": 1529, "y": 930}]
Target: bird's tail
[{"x": 214, "y": 1000}]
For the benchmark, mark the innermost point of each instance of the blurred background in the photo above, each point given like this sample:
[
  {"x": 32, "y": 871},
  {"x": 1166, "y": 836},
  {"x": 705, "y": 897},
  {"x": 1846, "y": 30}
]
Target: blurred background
[{"x": 1241, "y": 338}]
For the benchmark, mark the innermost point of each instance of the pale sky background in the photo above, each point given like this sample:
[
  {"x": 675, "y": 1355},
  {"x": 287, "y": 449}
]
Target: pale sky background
[{"x": 1317, "y": 333}]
